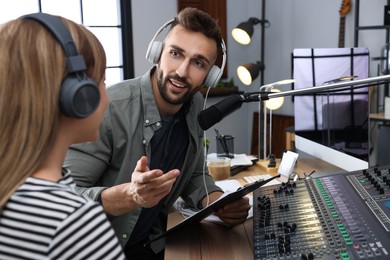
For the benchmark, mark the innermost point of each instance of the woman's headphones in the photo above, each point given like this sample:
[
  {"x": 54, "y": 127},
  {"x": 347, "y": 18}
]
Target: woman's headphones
[
  {"x": 79, "y": 95},
  {"x": 155, "y": 49}
]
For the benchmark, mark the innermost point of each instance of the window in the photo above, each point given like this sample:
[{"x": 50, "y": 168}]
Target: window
[{"x": 102, "y": 17}]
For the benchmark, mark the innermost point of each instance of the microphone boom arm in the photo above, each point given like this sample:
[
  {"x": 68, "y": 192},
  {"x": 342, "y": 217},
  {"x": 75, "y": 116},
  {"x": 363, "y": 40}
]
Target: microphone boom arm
[
  {"x": 316, "y": 89},
  {"x": 215, "y": 113}
]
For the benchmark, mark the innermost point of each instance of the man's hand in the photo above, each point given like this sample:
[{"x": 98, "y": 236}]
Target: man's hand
[
  {"x": 233, "y": 213},
  {"x": 146, "y": 189}
]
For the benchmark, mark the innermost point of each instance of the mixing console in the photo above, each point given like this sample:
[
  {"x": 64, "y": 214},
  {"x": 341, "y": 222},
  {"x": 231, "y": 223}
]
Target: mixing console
[{"x": 341, "y": 216}]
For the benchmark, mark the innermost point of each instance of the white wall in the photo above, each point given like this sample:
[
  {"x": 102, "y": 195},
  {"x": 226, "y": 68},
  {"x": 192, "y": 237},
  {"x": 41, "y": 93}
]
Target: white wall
[
  {"x": 147, "y": 17},
  {"x": 294, "y": 24}
]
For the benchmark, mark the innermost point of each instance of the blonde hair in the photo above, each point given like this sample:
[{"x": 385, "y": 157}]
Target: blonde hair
[{"x": 32, "y": 67}]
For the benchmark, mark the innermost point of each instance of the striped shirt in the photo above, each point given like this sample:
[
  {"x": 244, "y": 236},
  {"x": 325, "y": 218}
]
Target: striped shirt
[{"x": 49, "y": 220}]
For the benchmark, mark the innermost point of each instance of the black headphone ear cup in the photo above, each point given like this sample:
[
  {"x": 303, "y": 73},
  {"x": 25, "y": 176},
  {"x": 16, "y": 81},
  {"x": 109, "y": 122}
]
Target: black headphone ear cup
[
  {"x": 213, "y": 77},
  {"x": 154, "y": 52},
  {"x": 79, "y": 97}
]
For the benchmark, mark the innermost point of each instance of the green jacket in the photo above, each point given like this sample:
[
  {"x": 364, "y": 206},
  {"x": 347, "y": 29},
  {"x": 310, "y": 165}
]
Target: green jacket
[{"x": 125, "y": 134}]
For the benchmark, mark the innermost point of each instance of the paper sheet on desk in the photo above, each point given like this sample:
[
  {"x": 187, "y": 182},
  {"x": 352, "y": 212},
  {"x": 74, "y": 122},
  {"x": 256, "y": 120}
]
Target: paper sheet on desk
[
  {"x": 239, "y": 159},
  {"x": 267, "y": 176},
  {"x": 227, "y": 186}
]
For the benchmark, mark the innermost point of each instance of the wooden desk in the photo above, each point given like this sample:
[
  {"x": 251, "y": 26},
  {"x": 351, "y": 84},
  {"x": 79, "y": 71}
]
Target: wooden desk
[
  {"x": 379, "y": 117},
  {"x": 212, "y": 241}
]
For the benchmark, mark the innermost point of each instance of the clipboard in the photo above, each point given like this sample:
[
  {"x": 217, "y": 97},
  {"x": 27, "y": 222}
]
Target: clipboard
[{"x": 210, "y": 209}]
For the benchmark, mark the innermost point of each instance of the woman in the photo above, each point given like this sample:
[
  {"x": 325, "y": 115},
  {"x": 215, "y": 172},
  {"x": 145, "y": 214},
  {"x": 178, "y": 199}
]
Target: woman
[{"x": 41, "y": 215}]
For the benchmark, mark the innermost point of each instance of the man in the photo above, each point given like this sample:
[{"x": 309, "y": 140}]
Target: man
[{"x": 153, "y": 119}]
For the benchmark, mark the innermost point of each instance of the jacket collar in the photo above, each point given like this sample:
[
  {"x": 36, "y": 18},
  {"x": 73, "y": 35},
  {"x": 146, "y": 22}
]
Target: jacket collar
[{"x": 151, "y": 114}]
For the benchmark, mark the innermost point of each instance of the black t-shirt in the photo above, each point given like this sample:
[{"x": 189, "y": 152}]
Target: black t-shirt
[{"x": 169, "y": 146}]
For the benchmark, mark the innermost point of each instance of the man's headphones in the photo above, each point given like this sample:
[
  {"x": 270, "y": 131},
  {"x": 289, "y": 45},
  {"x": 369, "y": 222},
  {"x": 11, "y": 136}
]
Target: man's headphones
[
  {"x": 79, "y": 95},
  {"x": 155, "y": 49}
]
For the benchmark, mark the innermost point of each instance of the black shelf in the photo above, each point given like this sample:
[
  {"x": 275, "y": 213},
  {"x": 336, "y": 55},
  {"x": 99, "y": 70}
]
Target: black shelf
[{"x": 373, "y": 27}]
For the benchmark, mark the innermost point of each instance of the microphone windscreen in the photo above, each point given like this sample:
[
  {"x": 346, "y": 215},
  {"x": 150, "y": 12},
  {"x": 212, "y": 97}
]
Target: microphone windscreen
[
  {"x": 209, "y": 117},
  {"x": 212, "y": 115}
]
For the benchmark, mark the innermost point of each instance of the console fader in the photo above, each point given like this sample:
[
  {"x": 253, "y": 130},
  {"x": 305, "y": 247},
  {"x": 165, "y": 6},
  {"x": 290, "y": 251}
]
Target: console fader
[{"x": 340, "y": 216}]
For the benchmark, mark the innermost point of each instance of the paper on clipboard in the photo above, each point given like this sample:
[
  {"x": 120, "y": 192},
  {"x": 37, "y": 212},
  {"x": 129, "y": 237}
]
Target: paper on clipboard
[
  {"x": 227, "y": 186},
  {"x": 205, "y": 212}
]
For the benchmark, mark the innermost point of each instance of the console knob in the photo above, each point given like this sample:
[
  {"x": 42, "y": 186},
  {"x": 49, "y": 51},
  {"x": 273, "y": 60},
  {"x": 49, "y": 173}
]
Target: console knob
[
  {"x": 293, "y": 228},
  {"x": 294, "y": 225},
  {"x": 261, "y": 225}
]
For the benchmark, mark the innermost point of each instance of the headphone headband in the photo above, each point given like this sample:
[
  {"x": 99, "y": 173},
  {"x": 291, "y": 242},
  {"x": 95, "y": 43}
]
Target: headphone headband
[
  {"x": 223, "y": 47},
  {"x": 75, "y": 62},
  {"x": 79, "y": 95},
  {"x": 150, "y": 46}
]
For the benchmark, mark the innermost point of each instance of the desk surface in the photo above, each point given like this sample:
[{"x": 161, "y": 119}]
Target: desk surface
[
  {"x": 379, "y": 117},
  {"x": 212, "y": 241}
]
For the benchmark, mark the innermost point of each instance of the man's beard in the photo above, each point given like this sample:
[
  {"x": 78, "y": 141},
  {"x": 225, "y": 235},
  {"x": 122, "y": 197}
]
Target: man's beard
[{"x": 164, "y": 92}]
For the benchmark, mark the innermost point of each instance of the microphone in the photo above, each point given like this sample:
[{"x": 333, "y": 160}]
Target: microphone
[
  {"x": 212, "y": 115},
  {"x": 215, "y": 113}
]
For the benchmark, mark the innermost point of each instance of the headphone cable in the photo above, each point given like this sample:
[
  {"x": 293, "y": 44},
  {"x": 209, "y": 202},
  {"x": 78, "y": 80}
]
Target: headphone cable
[{"x": 205, "y": 152}]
